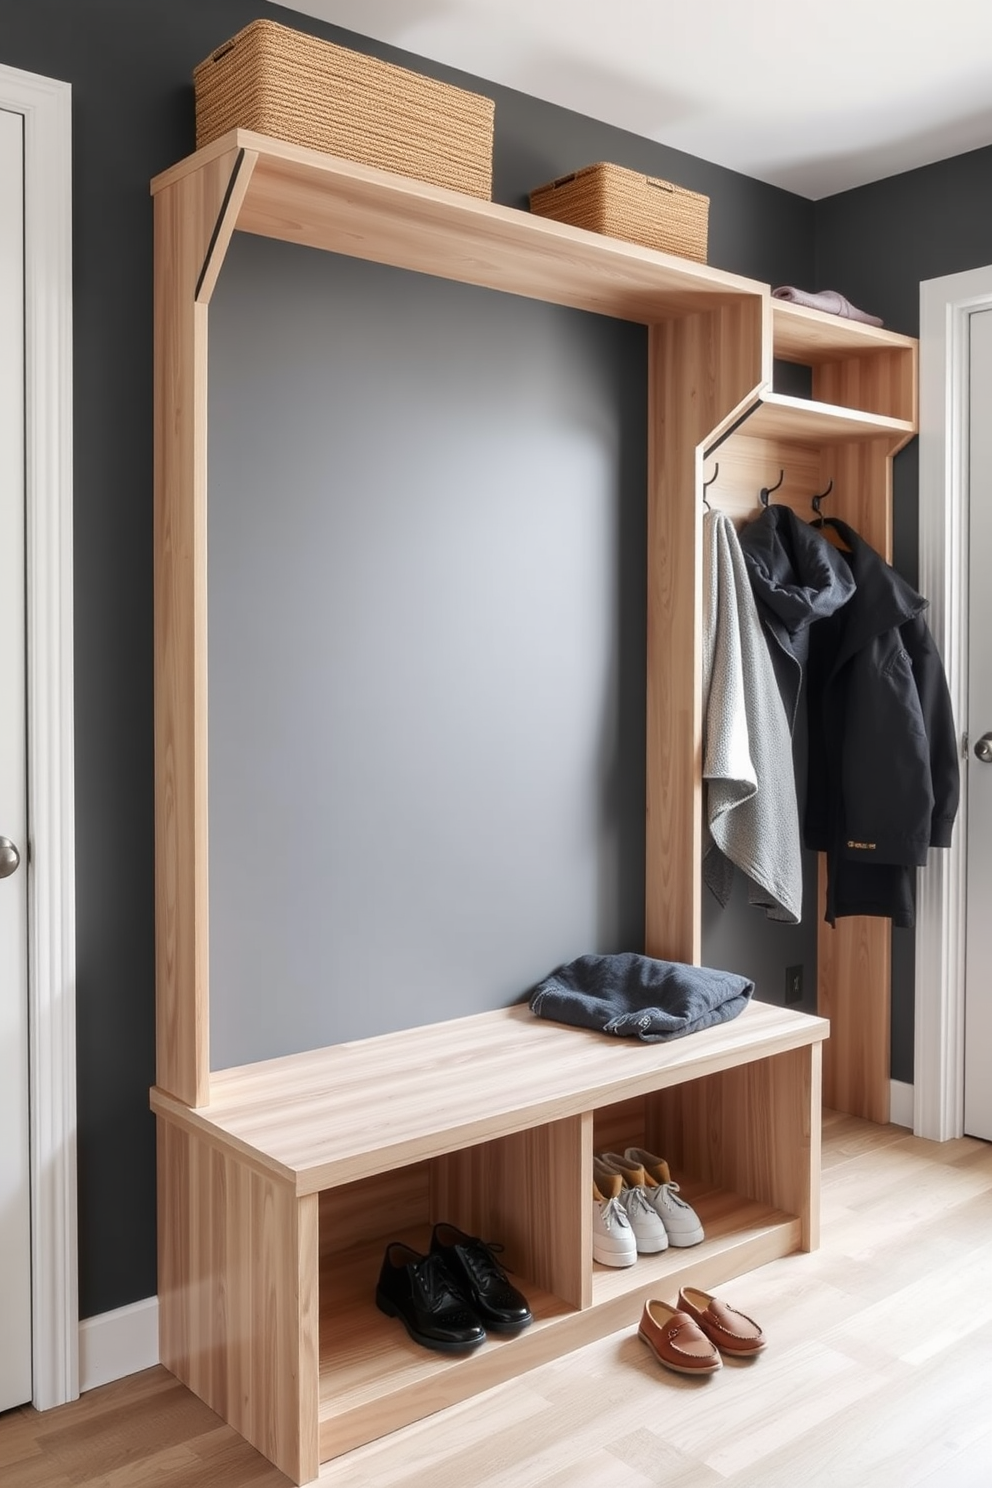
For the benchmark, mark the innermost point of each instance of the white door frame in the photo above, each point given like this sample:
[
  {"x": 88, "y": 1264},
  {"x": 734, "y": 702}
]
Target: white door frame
[
  {"x": 946, "y": 307},
  {"x": 50, "y": 860}
]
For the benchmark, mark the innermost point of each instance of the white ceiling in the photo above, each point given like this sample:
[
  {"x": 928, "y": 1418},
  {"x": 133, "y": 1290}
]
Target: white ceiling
[{"x": 813, "y": 97}]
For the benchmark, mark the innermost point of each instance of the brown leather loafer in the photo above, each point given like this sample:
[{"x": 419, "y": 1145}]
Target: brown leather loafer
[
  {"x": 676, "y": 1341},
  {"x": 730, "y": 1330}
]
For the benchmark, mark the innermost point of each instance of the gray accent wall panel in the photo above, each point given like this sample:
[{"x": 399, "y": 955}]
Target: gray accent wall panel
[{"x": 426, "y": 668}]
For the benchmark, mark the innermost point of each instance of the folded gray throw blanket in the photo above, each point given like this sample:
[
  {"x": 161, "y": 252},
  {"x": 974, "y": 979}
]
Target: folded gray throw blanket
[
  {"x": 828, "y": 300},
  {"x": 638, "y": 997}
]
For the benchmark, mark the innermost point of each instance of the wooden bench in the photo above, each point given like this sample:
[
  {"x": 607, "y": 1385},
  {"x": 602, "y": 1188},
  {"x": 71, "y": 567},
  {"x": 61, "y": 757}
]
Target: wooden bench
[{"x": 277, "y": 1198}]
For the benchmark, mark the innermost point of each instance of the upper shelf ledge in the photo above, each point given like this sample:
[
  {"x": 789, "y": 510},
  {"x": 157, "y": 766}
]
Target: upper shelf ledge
[
  {"x": 304, "y": 196},
  {"x": 812, "y": 336}
]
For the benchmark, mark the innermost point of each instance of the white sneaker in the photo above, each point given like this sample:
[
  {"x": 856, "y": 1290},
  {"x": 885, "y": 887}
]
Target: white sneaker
[
  {"x": 679, "y": 1218},
  {"x": 613, "y": 1241},
  {"x": 650, "y": 1234}
]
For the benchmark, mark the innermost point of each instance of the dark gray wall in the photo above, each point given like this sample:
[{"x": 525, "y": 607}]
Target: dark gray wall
[
  {"x": 877, "y": 244},
  {"x": 130, "y": 66}
]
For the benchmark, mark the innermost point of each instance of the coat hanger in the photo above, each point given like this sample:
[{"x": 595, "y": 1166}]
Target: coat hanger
[
  {"x": 816, "y": 505},
  {"x": 825, "y": 524},
  {"x": 708, "y": 483},
  {"x": 766, "y": 491}
]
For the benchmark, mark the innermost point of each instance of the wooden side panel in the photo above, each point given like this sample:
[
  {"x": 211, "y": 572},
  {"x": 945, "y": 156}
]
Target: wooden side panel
[
  {"x": 188, "y": 231},
  {"x": 532, "y": 1192},
  {"x": 854, "y": 987},
  {"x": 386, "y": 1204},
  {"x": 238, "y": 1296},
  {"x": 885, "y": 382},
  {"x": 702, "y": 368},
  {"x": 854, "y": 958},
  {"x": 754, "y": 1130}
]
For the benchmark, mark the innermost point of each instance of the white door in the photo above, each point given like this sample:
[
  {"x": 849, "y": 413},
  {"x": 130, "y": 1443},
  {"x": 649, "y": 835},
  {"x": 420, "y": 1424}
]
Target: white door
[
  {"x": 15, "y": 1222},
  {"x": 978, "y": 961}
]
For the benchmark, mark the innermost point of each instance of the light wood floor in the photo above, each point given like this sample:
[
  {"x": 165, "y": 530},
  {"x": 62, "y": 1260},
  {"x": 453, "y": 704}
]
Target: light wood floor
[{"x": 878, "y": 1374}]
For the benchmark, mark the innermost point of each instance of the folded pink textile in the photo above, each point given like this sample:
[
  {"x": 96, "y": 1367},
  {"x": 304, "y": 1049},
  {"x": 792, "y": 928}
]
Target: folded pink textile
[{"x": 828, "y": 300}]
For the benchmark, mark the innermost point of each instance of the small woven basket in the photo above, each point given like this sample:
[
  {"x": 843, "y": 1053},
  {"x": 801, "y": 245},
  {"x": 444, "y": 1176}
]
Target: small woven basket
[
  {"x": 291, "y": 86},
  {"x": 624, "y": 204}
]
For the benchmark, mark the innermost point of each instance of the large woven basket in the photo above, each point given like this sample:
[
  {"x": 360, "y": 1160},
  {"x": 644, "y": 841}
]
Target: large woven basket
[
  {"x": 624, "y": 204},
  {"x": 294, "y": 87}
]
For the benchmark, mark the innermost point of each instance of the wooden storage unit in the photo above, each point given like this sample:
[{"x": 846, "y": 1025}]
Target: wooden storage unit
[
  {"x": 278, "y": 1197},
  {"x": 268, "y": 1174}
]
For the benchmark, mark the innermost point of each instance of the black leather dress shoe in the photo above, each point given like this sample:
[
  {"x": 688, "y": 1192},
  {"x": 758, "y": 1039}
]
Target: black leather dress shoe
[
  {"x": 481, "y": 1279},
  {"x": 420, "y": 1291}
]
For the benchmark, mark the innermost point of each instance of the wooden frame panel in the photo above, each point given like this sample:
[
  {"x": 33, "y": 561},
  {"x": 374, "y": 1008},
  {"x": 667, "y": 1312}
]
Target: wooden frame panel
[
  {"x": 703, "y": 371},
  {"x": 238, "y": 1296},
  {"x": 194, "y": 220}
]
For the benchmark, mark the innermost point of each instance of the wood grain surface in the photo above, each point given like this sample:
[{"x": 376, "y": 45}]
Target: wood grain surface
[
  {"x": 877, "y": 1373},
  {"x": 331, "y": 1115}
]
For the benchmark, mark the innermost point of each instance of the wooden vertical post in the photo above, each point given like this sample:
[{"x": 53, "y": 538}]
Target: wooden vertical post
[
  {"x": 194, "y": 218},
  {"x": 703, "y": 370},
  {"x": 854, "y": 957}
]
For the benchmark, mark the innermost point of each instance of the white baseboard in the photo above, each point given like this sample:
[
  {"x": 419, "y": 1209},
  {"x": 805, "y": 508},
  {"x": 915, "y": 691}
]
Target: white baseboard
[
  {"x": 118, "y": 1343},
  {"x": 901, "y": 1103}
]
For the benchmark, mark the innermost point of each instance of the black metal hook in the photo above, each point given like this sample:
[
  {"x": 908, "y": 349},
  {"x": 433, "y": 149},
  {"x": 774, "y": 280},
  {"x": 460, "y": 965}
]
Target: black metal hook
[
  {"x": 708, "y": 483},
  {"x": 766, "y": 491},
  {"x": 822, "y": 497}
]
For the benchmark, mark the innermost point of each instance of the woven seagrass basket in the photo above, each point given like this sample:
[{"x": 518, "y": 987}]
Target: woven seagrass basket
[
  {"x": 290, "y": 86},
  {"x": 624, "y": 204}
]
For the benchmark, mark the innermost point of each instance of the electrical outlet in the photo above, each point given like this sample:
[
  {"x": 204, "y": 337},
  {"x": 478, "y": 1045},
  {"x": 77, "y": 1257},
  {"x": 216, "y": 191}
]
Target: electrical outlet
[{"x": 793, "y": 984}]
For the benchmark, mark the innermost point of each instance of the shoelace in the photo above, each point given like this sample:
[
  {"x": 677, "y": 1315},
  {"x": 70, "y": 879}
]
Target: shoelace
[
  {"x": 612, "y": 1209},
  {"x": 635, "y": 1198},
  {"x": 435, "y": 1282},
  {"x": 481, "y": 1258},
  {"x": 671, "y": 1192}
]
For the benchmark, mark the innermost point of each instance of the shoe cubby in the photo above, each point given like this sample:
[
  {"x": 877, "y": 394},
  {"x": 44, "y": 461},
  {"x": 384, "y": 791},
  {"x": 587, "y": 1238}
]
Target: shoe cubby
[
  {"x": 281, "y": 1182},
  {"x": 278, "y": 1198}
]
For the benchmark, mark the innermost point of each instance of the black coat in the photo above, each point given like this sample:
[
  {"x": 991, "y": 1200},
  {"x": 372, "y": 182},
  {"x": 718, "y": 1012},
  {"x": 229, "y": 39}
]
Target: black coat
[
  {"x": 798, "y": 579},
  {"x": 883, "y": 756}
]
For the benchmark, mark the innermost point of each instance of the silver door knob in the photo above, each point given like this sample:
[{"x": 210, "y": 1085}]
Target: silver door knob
[
  {"x": 983, "y": 749},
  {"x": 9, "y": 857}
]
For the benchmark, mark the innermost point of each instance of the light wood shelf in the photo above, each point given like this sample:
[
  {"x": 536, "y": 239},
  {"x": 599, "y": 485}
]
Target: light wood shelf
[
  {"x": 811, "y": 336},
  {"x": 268, "y": 1174},
  {"x": 371, "y": 1371},
  {"x": 806, "y": 421}
]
